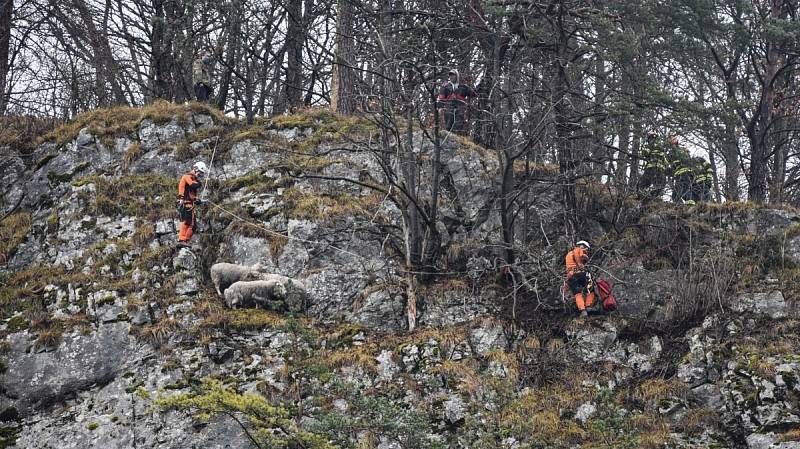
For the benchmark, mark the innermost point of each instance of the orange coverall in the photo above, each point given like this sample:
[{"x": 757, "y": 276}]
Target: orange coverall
[
  {"x": 575, "y": 261},
  {"x": 187, "y": 191}
]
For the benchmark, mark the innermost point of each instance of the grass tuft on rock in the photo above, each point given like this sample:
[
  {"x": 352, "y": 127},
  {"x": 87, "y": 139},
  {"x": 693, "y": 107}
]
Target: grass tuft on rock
[
  {"x": 146, "y": 196},
  {"x": 14, "y": 230}
]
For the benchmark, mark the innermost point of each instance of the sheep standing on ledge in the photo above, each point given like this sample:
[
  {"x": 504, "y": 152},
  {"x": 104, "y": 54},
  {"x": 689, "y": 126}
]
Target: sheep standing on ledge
[
  {"x": 269, "y": 294},
  {"x": 295, "y": 291},
  {"x": 223, "y": 275}
]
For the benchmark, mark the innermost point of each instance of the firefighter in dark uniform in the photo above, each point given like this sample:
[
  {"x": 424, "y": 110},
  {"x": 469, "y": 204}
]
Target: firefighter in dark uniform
[
  {"x": 703, "y": 179},
  {"x": 651, "y": 185},
  {"x": 682, "y": 172}
]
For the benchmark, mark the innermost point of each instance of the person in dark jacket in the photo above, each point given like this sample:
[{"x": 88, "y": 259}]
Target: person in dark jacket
[
  {"x": 703, "y": 181},
  {"x": 453, "y": 98},
  {"x": 682, "y": 172},
  {"x": 651, "y": 184},
  {"x": 201, "y": 76}
]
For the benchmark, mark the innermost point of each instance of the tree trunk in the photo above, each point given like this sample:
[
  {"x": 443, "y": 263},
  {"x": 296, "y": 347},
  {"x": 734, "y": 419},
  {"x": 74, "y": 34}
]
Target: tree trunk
[
  {"x": 232, "y": 52},
  {"x": 295, "y": 37},
  {"x": 624, "y": 136},
  {"x": 159, "y": 63},
  {"x": 343, "y": 98},
  {"x": 6, "y": 11},
  {"x": 411, "y": 221},
  {"x": 730, "y": 155},
  {"x": 759, "y": 128}
]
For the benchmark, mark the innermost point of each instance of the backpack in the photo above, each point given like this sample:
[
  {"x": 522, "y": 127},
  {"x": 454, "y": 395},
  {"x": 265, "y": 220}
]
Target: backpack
[{"x": 603, "y": 287}]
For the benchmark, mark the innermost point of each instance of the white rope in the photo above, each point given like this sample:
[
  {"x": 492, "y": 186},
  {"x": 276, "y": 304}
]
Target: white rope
[
  {"x": 278, "y": 234},
  {"x": 210, "y": 165},
  {"x": 316, "y": 242}
]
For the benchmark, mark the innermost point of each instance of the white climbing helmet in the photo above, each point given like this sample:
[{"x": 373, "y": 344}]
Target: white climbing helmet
[
  {"x": 583, "y": 242},
  {"x": 200, "y": 167}
]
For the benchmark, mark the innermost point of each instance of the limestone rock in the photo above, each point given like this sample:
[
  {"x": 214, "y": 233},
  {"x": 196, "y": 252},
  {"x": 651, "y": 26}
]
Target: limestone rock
[
  {"x": 454, "y": 409},
  {"x": 185, "y": 260},
  {"x": 771, "y": 304},
  {"x": 585, "y": 412},
  {"x": 35, "y": 380}
]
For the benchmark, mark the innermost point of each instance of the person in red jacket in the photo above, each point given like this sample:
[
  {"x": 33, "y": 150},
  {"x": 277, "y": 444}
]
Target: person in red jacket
[
  {"x": 452, "y": 99},
  {"x": 578, "y": 279},
  {"x": 188, "y": 187}
]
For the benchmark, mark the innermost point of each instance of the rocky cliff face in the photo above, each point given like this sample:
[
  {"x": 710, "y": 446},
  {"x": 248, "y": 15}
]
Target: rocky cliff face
[{"x": 112, "y": 338}]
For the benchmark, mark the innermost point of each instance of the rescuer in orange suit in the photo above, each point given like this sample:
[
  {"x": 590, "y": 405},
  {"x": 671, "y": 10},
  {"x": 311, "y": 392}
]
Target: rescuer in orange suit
[
  {"x": 579, "y": 280},
  {"x": 188, "y": 187}
]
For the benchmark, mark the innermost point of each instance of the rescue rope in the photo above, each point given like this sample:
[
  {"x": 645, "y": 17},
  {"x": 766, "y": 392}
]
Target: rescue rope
[
  {"x": 316, "y": 242},
  {"x": 211, "y": 165},
  {"x": 278, "y": 234}
]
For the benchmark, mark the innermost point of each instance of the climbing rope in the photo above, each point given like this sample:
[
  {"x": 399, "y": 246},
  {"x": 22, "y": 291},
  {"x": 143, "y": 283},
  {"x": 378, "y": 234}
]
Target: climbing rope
[
  {"x": 211, "y": 165},
  {"x": 278, "y": 234},
  {"x": 315, "y": 242}
]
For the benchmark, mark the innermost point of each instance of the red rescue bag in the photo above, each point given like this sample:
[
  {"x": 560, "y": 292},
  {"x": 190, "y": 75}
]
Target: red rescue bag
[{"x": 603, "y": 287}]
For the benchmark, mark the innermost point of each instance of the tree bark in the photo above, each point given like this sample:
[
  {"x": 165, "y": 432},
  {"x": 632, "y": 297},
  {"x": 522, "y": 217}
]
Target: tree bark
[
  {"x": 6, "y": 12},
  {"x": 759, "y": 128},
  {"x": 295, "y": 37},
  {"x": 343, "y": 98}
]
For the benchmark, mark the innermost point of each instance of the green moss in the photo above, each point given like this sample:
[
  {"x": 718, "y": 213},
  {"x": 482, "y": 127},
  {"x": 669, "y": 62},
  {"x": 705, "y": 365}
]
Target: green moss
[
  {"x": 9, "y": 435},
  {"x": 17, "y": 323},
  {"x": 108, "y": 299},
  {"x": 214, "y": 398},
  {"x": 92, "y": 426}
]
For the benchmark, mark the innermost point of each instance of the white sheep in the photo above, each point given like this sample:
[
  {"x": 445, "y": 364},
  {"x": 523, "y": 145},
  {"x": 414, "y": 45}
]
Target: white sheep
[
  {"x": 295, "y": 290},
  {"x": 223, "y": 275},
  {"x": 255, "y": 293}
]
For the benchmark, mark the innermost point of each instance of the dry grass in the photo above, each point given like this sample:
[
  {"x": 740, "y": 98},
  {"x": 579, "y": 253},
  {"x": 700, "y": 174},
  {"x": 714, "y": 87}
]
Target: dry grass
[
  {"x": 532, "y": 413},
  {"x": 13, "y": 231},
  {"x": 463, "y": 374},
  {"x": 305, "y": 205},
  {"x": 240, "y": 319},
  {"x": 158, "y": 333},
  {"x": 20, "y": 132},
  {"x": 790, "y": 435},
  {"x": 147, "y": 196},
  {"x": 654, "y": 391},
  {"x": 697, "y": 420},
  {"x": 143, "y": 235},
  {"x": 133, "y": 153},
  {"x": 49, "y": 337},
  {"x": 362, "y": 356},
  {"x": 304, "y": 118}
]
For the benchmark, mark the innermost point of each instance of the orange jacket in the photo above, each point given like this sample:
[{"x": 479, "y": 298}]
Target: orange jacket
[
  {"x": 187, "y": 188},
  {"x": 575, "y": 260}
]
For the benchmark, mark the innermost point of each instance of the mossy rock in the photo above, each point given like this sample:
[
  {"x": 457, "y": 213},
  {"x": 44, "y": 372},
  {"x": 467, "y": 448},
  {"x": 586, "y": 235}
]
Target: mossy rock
[{"x": 125, "y": 120}]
